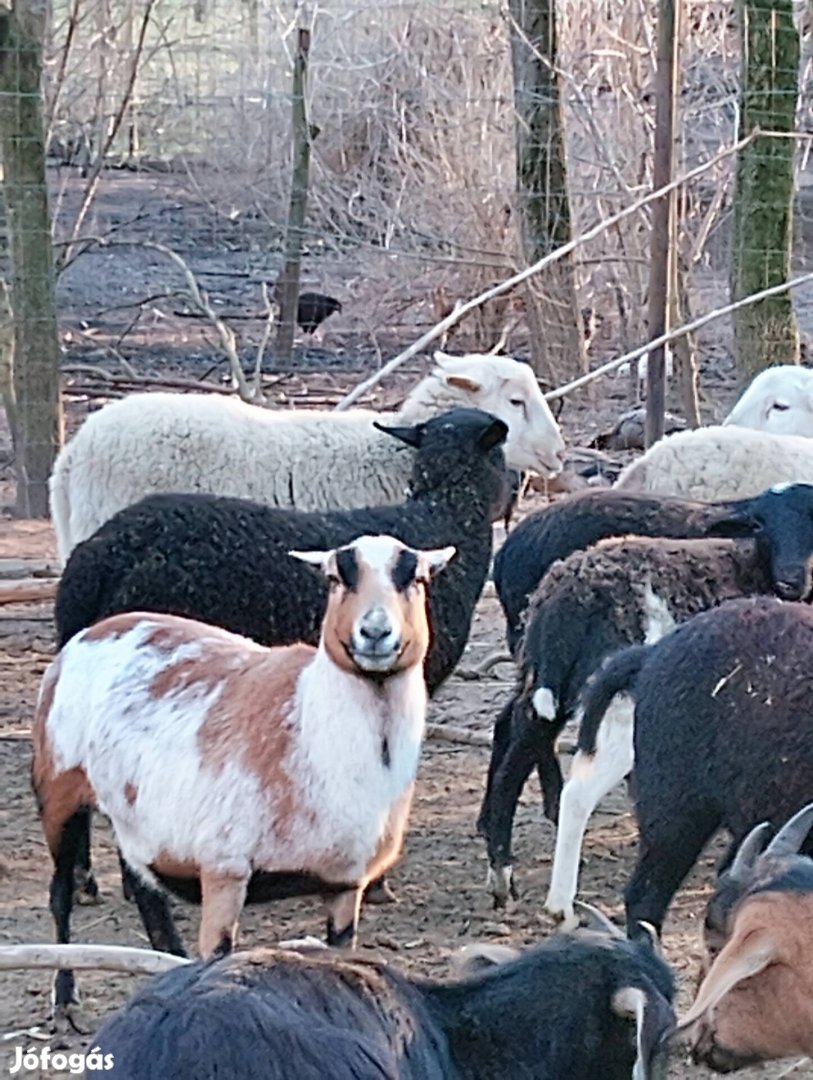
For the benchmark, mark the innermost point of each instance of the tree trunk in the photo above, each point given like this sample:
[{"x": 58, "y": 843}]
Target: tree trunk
[
  {"x": 36, "y": 341},
  {"x": 557, "y": 351},
  {"x": 765, "y": 333}
]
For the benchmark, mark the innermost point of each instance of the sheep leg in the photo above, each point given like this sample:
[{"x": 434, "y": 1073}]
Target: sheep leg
[
  {"x": 549, "y": 772},
  {"x": 380, "y": 892},
  {"x": 343, "y": 918},
  {"x": 222, "y": 898},
  {"x": 591, "y": 777},
  {"x": 668, "y": 851},
  {"x": 523, "y": 753},
  {"x": 86, "y": 889},
  {"x": 500, "y": 743},
  {"x": 65, "y": 998},
  {"x": 127, "y": 890},
  {"x": 155, "y": 911}
]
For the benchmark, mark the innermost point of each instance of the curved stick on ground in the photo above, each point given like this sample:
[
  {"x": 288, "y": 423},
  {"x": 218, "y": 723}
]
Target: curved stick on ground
[{"x": 89, "y": 957}]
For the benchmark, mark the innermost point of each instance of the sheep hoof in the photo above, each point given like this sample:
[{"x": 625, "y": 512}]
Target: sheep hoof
[
  {"x": 68, "y": 1018},
  {"x": 66, "y": 1014},
  {"x": 380, "y": 892},
  {"x": 501, "y": 883},
  {"x": 565, "y": 917},
  {"x": 86, "y": 891}
]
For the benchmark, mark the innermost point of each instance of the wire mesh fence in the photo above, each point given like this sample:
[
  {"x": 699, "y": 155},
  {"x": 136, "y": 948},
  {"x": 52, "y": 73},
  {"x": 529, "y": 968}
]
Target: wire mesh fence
[{"x": 169, "y": 123}]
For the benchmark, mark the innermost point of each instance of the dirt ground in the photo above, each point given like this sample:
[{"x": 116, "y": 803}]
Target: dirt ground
[
  {"x": 441, "y": 880},
  {"x": 443, "y": 902}
]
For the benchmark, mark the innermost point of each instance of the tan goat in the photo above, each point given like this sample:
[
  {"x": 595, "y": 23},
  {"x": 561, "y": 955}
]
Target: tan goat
[{"x": 756, "y": 1001}]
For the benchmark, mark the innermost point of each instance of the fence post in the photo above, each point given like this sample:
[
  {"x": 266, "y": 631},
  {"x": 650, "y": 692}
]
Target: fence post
[
  {"x": 659, "y": 276},
  {"x": 287, "y": 289}
]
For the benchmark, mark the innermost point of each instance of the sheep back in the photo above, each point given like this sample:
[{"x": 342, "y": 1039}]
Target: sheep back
[
  {"x": 163, "y": 442},
  {"x": 719, "y": 463}
]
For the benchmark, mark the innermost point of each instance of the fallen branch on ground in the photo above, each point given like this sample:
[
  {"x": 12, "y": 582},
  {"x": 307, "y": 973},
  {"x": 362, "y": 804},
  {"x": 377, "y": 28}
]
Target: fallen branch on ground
[
  {"x": 483, "y": 668},
  {"x": 27, "y": 591},
  {"x": 449, "y": 733},
  {"x": 94, "y": 957}
]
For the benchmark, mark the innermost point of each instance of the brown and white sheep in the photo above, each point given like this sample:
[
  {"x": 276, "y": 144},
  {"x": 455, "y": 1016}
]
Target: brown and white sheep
[{"x": 255, "y": 772}]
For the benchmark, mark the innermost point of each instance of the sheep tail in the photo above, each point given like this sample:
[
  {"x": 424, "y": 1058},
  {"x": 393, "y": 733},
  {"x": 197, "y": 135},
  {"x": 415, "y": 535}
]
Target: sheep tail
[{"x": 617, "y": 676}]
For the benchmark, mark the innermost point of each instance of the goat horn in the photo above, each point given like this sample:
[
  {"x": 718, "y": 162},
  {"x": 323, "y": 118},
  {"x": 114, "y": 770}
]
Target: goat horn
[
  {"x": 99, "y": 957},
  {"x": 652, "y": 937},
  {"x": 597, "y": 920},
  {"x": 792, "y": 834},
  {"x": 747, "y": 852}
]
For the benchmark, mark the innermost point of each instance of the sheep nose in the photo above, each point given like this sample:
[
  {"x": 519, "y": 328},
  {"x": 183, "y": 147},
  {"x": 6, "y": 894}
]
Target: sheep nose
[
  {"x": 373, "y": 633},
  {"x": 375, "y": 626}
]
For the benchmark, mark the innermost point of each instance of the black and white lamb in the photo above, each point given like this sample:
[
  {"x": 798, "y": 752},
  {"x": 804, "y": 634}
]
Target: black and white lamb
[
  {"x": 723, "y": 737},
  {"x": 577, "y": 521},
  {"x": 598, "y": 601}
]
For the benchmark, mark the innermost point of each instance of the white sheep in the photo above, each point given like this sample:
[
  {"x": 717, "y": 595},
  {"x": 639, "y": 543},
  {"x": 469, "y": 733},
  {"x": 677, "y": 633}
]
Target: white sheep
[
  {"x": 720, "y": 463},
  {"x": 307, "y": 459},
  {"x": 288, "y": 770},
  {"x": 779, "y": 400}
]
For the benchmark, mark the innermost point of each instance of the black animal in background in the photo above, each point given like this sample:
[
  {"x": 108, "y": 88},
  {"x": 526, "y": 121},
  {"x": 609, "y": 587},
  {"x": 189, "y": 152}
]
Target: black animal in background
[{"x": 313, "y": 308}]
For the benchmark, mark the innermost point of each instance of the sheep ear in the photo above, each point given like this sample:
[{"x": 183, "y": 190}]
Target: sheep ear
[
  {"x": 734, "y": 521},
  {"x": 494, "y": 434},
  {"x": 412, "y": 436},
  {"x": 739, "y": 960},
  {"x": 463, "y": 382},
  {"x": 320, "y": 559},
  {"x": 460, "y": 382},
  {"x": 433, "y": 561}
]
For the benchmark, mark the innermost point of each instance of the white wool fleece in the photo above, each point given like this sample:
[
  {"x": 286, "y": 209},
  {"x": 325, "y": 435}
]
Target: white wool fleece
[
  {"x": 306, "y": 459},
  {"x": 720, "y": 463}
]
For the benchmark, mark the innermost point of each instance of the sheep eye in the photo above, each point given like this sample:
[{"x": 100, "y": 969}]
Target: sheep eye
[
  {"x": 333, "y": 580},
  {"x": 780, "y": 406}
]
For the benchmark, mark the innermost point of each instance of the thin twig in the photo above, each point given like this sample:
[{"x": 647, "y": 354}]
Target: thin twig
[
  {"x": 228, "y": 342},
  {"x": 681, "y": 331},
  {"x": 270, "y": 318},
  {"x": 93, "y": 183}
]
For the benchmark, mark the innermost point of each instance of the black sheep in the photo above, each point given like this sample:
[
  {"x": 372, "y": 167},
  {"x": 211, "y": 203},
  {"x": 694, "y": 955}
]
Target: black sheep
[
  {"x": 577, "y": 1007},
  {"x": 224, "y": 561},
  {"x": 723, "y": 736},
  {"x": 776, "y": 517}
]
